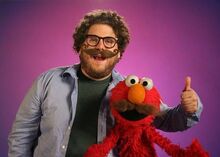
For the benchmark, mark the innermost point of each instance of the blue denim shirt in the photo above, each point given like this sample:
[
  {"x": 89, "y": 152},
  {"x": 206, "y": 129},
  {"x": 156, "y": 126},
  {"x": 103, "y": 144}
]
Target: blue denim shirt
[{"x": 44, "y": 120}]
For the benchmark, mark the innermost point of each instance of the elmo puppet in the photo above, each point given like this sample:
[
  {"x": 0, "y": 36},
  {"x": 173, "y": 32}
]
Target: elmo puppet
[{"x": 134, "y": 104}]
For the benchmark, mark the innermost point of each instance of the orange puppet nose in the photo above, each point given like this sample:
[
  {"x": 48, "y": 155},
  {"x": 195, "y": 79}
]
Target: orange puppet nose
[{"x": 136, "y": 94}]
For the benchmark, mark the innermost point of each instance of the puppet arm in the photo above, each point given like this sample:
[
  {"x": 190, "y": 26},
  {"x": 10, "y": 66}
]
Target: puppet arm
[
  {"x": 174, "y": 150},
  {"x": 102, "y": 149}
]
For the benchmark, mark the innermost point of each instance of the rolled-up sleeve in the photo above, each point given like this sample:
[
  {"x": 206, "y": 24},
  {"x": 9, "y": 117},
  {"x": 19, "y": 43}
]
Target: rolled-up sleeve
[{"x": 25, "y": 130}]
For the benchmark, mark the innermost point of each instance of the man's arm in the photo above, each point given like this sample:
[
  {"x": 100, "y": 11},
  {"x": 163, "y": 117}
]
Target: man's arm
[
  {"x": 184, "y": 115},
  {"x": 25, "y": 130},
  {"x": 176, "y": 119}
]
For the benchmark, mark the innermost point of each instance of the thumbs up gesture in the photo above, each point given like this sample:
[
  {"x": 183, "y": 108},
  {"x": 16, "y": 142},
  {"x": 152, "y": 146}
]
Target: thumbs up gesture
[{"x": 189, "y": 100}]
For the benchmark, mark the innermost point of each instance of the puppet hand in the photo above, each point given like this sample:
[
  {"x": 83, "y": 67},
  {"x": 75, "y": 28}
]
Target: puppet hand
[
  {"x": 196, "y": 150},
  {"x": 189, "y": 99}
]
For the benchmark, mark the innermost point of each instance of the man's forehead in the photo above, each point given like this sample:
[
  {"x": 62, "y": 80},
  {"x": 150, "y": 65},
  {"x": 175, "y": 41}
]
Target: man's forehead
[{"x": 101, "y": 30}]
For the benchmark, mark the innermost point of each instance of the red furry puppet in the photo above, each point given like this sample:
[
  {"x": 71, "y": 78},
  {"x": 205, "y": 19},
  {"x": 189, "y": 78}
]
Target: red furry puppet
[{"x": 134, "y": 104}]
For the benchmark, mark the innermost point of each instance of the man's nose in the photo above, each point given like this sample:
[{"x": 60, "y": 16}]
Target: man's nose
[{"x": 100, "y": 45}]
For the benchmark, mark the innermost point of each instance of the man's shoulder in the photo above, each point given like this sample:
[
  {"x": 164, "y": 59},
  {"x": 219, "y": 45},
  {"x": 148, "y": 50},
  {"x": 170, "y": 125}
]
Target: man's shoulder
[
  {"x": 55, "y": 70},
  {"x": 58, "y": 72},
  {"x": 117, "y": 77}
]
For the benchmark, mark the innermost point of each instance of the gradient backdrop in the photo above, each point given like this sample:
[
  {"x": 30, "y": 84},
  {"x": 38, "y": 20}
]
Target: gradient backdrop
[{"x": 169, "y": 40}]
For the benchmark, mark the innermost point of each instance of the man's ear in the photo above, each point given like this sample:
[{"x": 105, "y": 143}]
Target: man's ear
[
  {"x": 80, "y": 50},
  {"x": 83, "y": 46},
  {"x": 119, "y": 55}
]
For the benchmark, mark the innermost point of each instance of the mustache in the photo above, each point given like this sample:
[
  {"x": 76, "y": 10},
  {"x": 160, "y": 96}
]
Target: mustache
[
  {"x": 125, "y": 105},
  {"x": 101, "y": 53}
]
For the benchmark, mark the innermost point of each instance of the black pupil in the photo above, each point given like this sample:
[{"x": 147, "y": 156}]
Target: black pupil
[
  {"x": 145, "y": 83},
  {"x": 132, "y": 81}
]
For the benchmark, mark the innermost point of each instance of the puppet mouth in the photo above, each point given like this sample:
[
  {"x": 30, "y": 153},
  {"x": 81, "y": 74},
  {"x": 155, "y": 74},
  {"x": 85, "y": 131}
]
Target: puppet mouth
[
  {"x": 134, "y": 112},
  {"x": 132, "y": 115}
]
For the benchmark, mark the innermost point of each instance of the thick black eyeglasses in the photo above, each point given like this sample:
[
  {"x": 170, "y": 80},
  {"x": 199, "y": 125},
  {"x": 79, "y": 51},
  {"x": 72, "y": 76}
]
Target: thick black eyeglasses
[{"x": 93, "y": 40}]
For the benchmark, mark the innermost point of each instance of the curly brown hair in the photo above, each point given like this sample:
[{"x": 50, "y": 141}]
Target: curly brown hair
[{"x": 108, "y": 17}]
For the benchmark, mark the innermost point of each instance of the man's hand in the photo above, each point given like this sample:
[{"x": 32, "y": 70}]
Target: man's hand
[{"x": 189, "y": 100}]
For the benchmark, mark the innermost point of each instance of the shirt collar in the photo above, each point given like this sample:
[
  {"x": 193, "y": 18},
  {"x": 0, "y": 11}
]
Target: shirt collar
[{"x": 72, "y": 71}]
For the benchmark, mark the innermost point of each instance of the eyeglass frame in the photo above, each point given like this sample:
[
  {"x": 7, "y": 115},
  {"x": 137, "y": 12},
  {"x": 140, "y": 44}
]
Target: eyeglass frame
[{"x": 103, "y": 38}]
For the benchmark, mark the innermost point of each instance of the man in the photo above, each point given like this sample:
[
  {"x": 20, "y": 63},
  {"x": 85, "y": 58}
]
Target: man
[{"x": 66, "y": 109}]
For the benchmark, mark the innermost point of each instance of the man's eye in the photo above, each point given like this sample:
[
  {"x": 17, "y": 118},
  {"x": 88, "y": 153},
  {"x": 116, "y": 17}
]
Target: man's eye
[
  {"x": 109, "y": 41},
  {"x": 93, "y": 39}
]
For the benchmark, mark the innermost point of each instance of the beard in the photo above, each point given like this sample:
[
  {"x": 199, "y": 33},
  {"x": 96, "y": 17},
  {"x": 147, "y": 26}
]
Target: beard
[{"x": 97, "y": 67}]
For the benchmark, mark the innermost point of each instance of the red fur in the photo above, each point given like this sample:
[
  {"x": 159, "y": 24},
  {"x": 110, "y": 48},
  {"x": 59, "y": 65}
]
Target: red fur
[{"x": 137, "y": 138}]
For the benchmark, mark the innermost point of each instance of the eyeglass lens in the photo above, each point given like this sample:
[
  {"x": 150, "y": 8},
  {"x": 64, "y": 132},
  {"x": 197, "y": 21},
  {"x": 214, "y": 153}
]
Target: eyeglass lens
[{"x": 94, "y": 40}]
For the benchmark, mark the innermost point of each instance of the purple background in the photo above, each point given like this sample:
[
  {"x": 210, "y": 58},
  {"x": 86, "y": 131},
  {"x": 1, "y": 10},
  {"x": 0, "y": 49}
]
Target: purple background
[{"x": 169, "y": 40}]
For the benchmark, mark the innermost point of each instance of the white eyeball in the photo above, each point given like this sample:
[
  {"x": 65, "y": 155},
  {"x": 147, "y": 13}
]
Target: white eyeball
[
  {"x": 147, "y": 83},
  {"x": 131, "y": 80}
]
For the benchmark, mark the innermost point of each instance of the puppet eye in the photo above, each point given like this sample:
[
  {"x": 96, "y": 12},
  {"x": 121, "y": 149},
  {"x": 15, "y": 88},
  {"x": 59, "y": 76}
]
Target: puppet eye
[
  {"x": 131, "y": 80},
  {"x": 147, "y": 83}
]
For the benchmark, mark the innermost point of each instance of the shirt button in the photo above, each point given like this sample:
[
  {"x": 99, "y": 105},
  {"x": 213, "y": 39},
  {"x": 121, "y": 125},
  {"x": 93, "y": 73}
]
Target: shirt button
[
  {"x": 63, "y": 146},
  {"x": 69, "y": 127}
]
